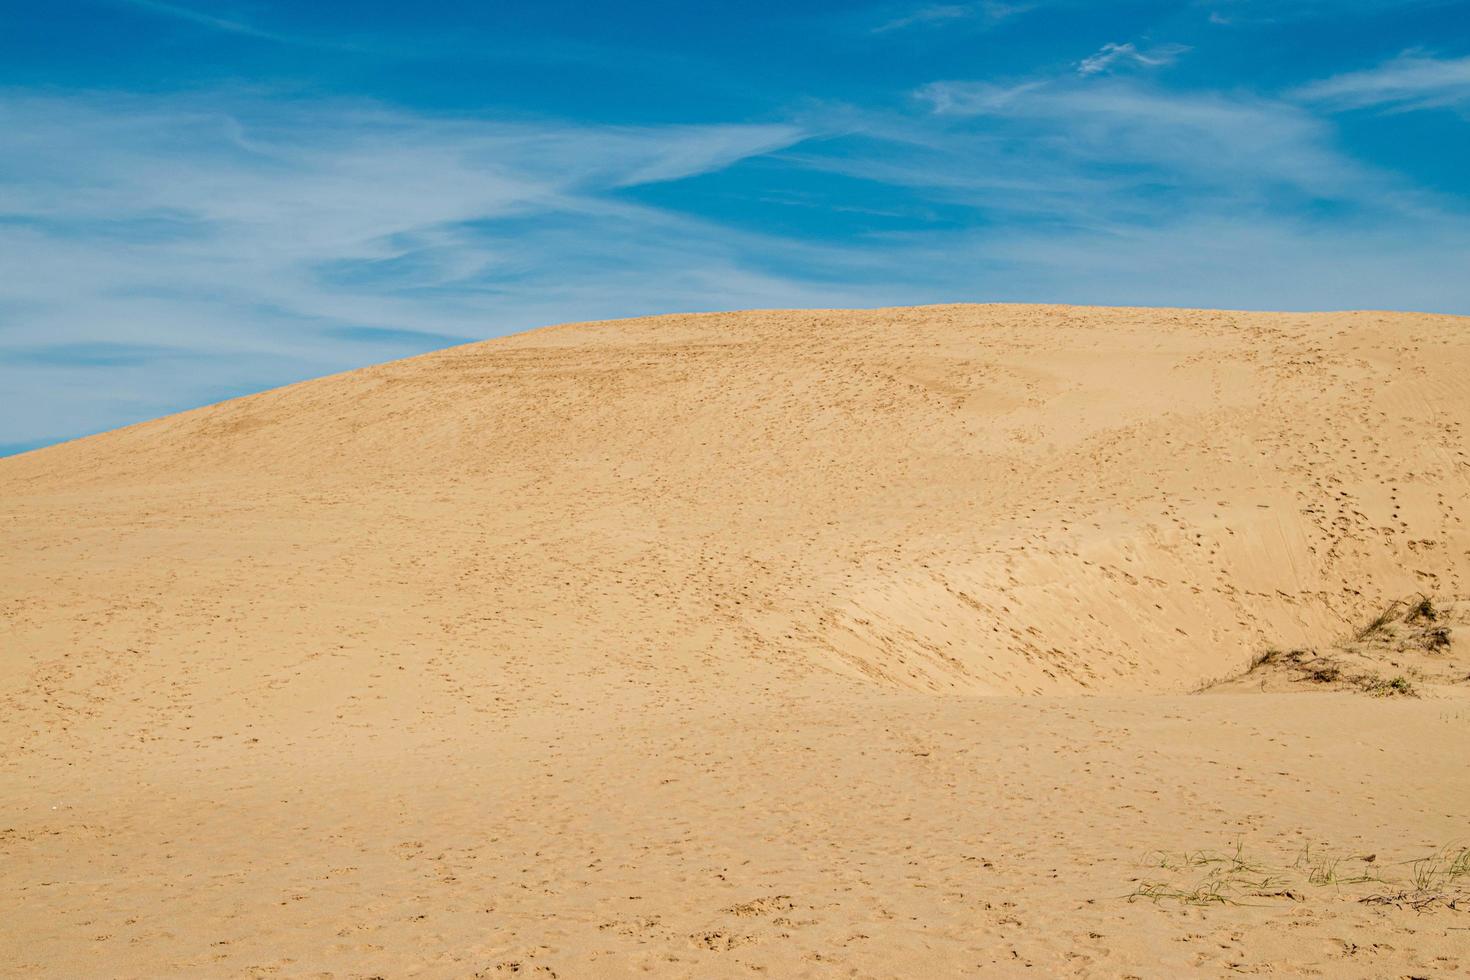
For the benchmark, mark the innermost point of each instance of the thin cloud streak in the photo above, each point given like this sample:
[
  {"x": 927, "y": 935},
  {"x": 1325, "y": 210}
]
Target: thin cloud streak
[
  {"x": 265, "y": 243},
  {"x": 1198, "y": 141},
  {"x": 1409, "y": 82},
  {"x": 245, "y": 29},
  {"x": 1117, "y": 55},
  {"x": 1258, "y": 12},
  {"x": 988, "y": 13},
  {"x": 190, "y": 15}
]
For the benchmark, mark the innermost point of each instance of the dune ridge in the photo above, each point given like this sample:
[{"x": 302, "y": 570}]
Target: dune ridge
[
  {"x": 479, "y": 610},
  {"x": 990, "y": 499}
]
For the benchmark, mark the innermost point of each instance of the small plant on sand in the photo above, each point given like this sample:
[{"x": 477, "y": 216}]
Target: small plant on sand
[
  {"x": 1206, "y": 893},
  {"x": 1294, "y": 659},
  {"x": 1443, "y": 867},
  {"x": 1440, "y": 879},
  {"x": 1422, "y": 611},
  {"x": 1228, "y": 877},
  {"x": 1319, "y": 870},
  {"x": 1397, "y": 637},
  {"x": 1322, "y": 869},
  {"x": 1399, "y": 686},
  {"x": 1381, "y": 621}
]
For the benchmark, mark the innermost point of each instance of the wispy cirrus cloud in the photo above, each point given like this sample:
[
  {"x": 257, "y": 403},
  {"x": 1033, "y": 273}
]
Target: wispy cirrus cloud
[
  {"x": 241, "y": 25},
  {"x": 230, "y": 25},
  {"x": 219, "y": 243},
  {"x": 1089, "y": 187},
  {"x": 986, "y": 12},
  {"x": 1411, "y": 81},
  {"x": 1256, "y": 12},
  {"x": 1175, "y": 141},
  {"x": 1112, "y": 56}
]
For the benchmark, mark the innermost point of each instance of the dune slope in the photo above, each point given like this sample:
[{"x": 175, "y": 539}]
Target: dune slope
[{"x": 430, "y": 666}]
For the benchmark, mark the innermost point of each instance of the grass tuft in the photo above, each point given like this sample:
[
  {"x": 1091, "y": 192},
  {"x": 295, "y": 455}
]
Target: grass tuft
[
  {"x": 1231, "y": 878},
  {"x": 1381, "y": 621},
  {"x": 1438, "y": 879},
  {"x": 1399, "y": 686},
  {"x": 1422, "y": 611}
]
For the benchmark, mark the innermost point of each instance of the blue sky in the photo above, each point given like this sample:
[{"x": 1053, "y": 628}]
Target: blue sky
[{"x": 200, "y": 200}]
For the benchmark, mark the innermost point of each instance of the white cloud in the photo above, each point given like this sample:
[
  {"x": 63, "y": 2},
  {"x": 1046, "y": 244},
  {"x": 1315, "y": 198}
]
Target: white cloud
[
  {"x": 1410, "y": 81},
  {"x": 988, "y": 12},
  {"x": 210, "y": 21},
  {"x": 975, "y": 98},
  {"x": 1110, "y": 56},
  {"x": 170, "y": 249},
  {"x": 1115, "y": 191},
  {"x": 1253, "y": 12},
  {"x": 1255, "y": 260},
  {"x": 1194, "y": 141}
]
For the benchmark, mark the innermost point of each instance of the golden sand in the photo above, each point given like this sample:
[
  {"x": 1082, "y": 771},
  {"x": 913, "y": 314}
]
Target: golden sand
[{"x": 794, "y": 644}]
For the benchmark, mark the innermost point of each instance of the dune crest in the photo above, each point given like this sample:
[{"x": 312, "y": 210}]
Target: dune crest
[{"x": 991, "y": 499}]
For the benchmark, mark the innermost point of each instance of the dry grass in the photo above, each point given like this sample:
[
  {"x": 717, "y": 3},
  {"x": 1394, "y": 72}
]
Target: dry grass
[
  {"x": 1379, "y": 687},
  {"x": 1403, "y": 652},
  {"x": 1232, "y": 878}
]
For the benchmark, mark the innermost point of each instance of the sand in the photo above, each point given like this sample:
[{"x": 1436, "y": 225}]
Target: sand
[{"x": 907, "y": 642}]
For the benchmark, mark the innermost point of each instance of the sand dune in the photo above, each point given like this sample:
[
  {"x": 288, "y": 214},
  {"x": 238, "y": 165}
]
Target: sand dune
[{"x": 807, "y": 643}]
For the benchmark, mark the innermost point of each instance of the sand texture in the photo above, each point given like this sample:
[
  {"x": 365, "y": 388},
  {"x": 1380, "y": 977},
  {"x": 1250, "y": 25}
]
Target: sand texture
[{"x": 960, "y": 640}]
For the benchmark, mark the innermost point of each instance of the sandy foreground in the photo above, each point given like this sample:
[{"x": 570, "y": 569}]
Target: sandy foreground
[{"x": 911, "y": 642}]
